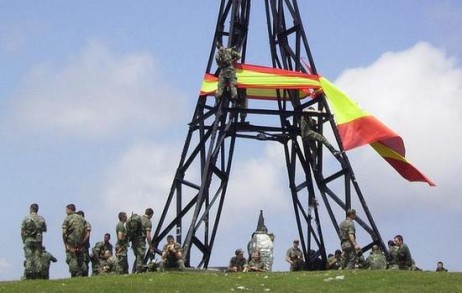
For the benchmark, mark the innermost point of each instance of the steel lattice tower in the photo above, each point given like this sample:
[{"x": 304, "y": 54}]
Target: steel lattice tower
[{"x": 194, "y": 205}]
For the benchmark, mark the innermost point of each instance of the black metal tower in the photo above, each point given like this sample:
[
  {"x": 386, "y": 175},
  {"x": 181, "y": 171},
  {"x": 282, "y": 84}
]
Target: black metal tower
[{"x": 197, "y": 196}]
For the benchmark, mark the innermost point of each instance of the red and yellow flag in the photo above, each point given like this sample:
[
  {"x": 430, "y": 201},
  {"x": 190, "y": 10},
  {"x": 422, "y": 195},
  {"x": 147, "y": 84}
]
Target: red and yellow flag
[
  {"x": 263, "y": 82},
  {"x": 358, "y": 127}
]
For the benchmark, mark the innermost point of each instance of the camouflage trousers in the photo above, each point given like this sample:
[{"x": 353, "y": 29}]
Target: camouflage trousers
[
  {"x": 87, "y": 259},
  {"x": 226, "y": 80},
  {"x": 139, "y": 250},
  {"x": 165, "y": 264},
  {"x": 349, "y": 254},
  {"x": 309, "y": 135},
  {"x": 33, "y": 262},
  {"x": 121, "y": 254},
  {"x": 76, "y": 261},
  {"x": 297, "y": 265}
]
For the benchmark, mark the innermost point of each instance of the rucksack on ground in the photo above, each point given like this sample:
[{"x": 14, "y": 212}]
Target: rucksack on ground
[{"x": 133, "y": 227}]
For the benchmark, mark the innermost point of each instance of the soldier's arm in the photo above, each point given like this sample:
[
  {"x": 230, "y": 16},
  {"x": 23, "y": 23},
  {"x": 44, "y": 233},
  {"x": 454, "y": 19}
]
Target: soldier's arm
[
  {"x": 87, "y": 231},
  {"x": 44, "y": 226},
  {"x": 64, "y": 235}
]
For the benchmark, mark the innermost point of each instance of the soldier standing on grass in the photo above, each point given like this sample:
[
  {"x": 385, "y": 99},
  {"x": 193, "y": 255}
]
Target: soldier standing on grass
[
  {"x": 32, "y": 228},
  {"x": 122, "y": 245},
  {"x": 348, "y": 240},
  {"x": 74, "y": 232}
]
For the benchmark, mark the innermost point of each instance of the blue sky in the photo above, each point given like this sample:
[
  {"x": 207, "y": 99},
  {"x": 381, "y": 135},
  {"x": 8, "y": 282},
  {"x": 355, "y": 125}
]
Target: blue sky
[{"x": 95, "y": 98}]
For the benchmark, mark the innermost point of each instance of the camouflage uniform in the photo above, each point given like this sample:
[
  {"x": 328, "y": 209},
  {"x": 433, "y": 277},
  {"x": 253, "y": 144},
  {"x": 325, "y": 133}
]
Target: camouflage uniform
[
  {"x": 121, "y": 248},
  {"x": 336, "y": 263},
  {"x": 32, "y": 228},
  {"x": 46, "y": 260},
  {"x": 256, "y": 265},
  {"x": 225, "y": 58},
  {"x": 74, "y": 230},
  {"x": 393, "y": 264},
  {"x": 98, "y": 255},
  {"x": 238, "y": 262},
  {"x": 110, "y": 266},
  {"x": 87, "y": 257},
  {"x": 376, "y": 261},
  {"x": 139, "y": 244},
  {"x": 308, "y": 134},
  {"x": 169, "y": 259},
  {"x": 295, "y": 254},
  {"x": 403, "y": 257},
  {"x": 346, "y": 228}
]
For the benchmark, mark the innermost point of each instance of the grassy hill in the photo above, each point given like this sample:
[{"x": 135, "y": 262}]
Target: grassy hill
[{"x": 324, "y": 281}]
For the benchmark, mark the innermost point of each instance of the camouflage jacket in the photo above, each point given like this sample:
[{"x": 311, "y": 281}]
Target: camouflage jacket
[
  {"x": 32, "y": 228},
  {"x": 346, "y": 228},
  {"x": 239, "y": 263},
  {"x": 294, "y": 253},
  {"x": 74, "y": 230},
  {"x": 170, "y": 257},
  {"x": 376, "y": 261},
  {"x": 100, "y": 248}
]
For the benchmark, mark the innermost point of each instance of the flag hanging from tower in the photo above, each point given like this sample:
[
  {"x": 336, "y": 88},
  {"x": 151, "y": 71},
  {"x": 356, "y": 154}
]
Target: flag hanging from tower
[{"x": 358, "y": 127}]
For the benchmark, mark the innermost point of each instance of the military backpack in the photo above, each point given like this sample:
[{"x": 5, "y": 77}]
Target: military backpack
[{"x": 134, "y": 227}]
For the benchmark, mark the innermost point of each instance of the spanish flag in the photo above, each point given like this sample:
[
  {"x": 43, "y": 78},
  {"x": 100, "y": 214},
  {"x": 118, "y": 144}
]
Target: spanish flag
[
  {"x": 263, "y": 83},
  {"x": 358, "y": 127}
]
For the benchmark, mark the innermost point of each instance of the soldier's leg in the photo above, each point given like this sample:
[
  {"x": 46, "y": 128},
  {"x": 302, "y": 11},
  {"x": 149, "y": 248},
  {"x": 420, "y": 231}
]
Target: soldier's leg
[
  {"x": 233, "y": 88},
  {"x": 87, "y": 262},
  {"x": 71, "y": 260},
  {"x": 220, "y": 88},
  {"x": 350, "y": 258},
  {"x": 317, "y": 136},
  {"x": 123, "y": 261},
  {"x": 80, "y": 262},
  {"x": 28, "y": 263},
  {"x": 161, "y": 267},
  {"x": 243, "y": 104},
  {"x": 180, "y": 264},
  {"x": 140, "y": 253}
]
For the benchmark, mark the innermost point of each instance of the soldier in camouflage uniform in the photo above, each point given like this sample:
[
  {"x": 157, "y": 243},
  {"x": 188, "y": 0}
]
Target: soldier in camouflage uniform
[
  {"x": 32, "y": 228},
  {"x": 109, "y": 264},
  {"x": 376, "y": 260},
  {"x": 336, "y": 261},
  {"x": 348, "y": 240},
  {"x": 98, "y": 252},
  {"x": 256, "y": 264},
  {"x": 238, "y": 263},
  {"x": 172, "y": 255},
  {"x": 226, "y": 58},
  {"x": 87, "y": 257},
  {"x": 294, "y": 256},
  {"x": 392, "y": 250},
  {"x": 403, "y": 254},
  {"x": 46, "y": 260},
  {"x": 308, "y": 133},
  {"x": 139, "y": 243},
  {"x": 74, "y": 232},
  {"x": 122, "y": 245}
]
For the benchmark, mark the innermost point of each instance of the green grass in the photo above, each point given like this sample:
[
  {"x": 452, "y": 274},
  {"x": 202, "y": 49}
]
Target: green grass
[{"x": 324, "y": 281}]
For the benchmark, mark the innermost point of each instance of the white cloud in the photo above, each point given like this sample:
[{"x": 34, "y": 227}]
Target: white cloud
[
  {"x": 140, "y": 178},
  {"x": 417, "y": 94},
  {"x": 96, "y": 93}
]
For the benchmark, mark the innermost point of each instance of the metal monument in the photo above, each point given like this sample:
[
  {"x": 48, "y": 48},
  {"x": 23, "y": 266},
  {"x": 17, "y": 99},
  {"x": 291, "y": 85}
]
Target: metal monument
[{"x": 319, "y": 179}]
